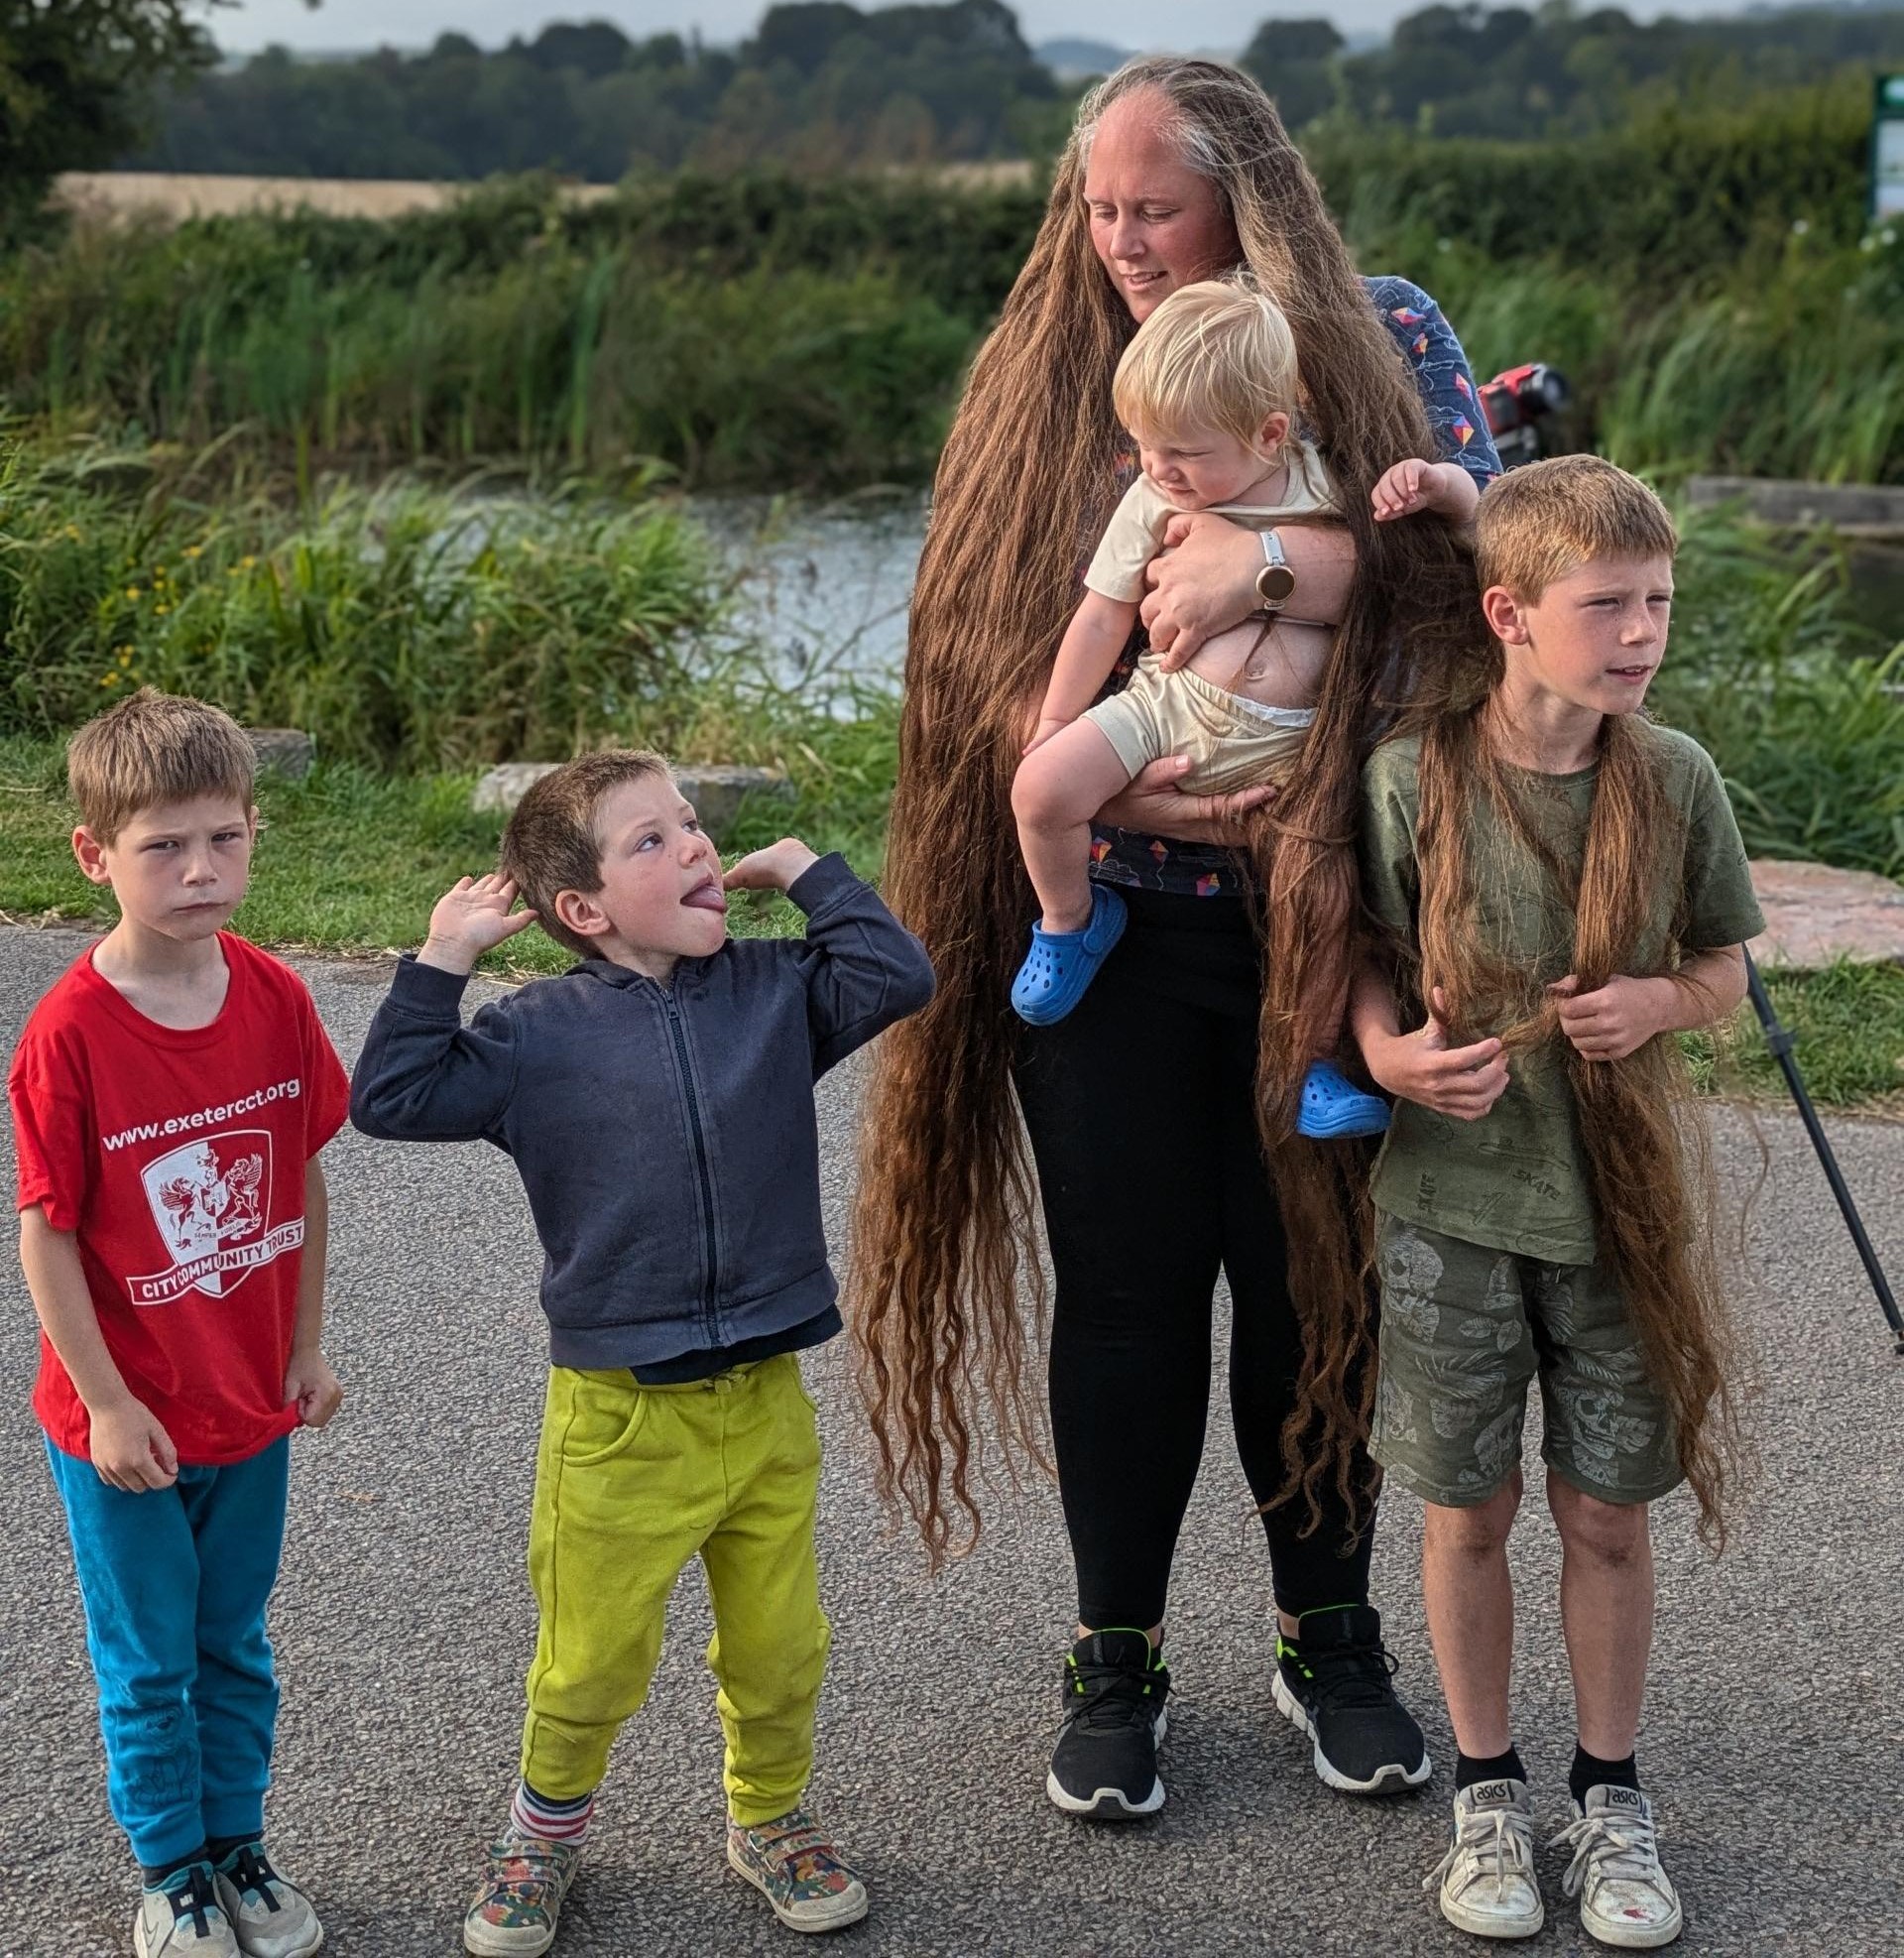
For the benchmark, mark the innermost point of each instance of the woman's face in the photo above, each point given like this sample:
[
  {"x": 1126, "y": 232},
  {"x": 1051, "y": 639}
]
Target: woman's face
[{"x": 1154, "y": 222}]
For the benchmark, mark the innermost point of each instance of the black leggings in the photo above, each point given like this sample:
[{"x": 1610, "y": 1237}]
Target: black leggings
[{"x": 1140, "y": 1110}]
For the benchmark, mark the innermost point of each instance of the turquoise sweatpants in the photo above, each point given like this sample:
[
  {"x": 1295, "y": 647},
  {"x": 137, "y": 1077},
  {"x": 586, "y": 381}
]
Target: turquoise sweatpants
[{"x": 174, "y": 1583}]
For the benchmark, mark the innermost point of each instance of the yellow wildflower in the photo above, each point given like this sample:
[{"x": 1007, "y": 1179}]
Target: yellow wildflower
[{"x": 135, "y": 592}]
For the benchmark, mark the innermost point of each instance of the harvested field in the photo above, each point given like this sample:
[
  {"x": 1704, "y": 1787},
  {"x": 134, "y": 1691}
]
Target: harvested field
[
  {"x": 120, "y": 193},
  {"x": 108, "y": 194}
]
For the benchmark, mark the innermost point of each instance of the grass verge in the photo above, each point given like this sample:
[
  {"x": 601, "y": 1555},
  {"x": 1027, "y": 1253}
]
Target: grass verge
[
  {"x": 1849, "y": 1025},
  {"x": 351, "y": 862}
]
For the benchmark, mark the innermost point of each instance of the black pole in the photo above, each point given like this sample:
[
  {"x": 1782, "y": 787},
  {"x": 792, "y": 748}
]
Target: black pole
[{"x": 1781, "y": 1042}]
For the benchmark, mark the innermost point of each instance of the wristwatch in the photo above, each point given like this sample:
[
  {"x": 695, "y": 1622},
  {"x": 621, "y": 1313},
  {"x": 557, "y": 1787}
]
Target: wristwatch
[{"x": 1275, "y": 582}]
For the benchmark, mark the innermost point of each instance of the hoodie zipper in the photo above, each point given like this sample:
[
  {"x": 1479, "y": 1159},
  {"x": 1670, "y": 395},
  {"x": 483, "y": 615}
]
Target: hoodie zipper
[{"x": 712, "y": 1291}]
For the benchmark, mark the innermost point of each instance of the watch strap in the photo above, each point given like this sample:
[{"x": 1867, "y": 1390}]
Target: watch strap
[{"x": 1275, "y": 582}]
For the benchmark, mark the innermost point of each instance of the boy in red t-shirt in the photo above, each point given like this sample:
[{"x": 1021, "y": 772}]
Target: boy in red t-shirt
[{"x": 169, "y": 1096}]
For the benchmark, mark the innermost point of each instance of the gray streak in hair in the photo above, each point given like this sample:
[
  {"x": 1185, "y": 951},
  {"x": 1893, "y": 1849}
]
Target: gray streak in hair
[{"x": 1163, "y": 74}]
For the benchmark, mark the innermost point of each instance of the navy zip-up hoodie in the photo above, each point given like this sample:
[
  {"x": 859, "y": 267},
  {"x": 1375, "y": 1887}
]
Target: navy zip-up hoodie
[{"x": 665, "y": 1134}]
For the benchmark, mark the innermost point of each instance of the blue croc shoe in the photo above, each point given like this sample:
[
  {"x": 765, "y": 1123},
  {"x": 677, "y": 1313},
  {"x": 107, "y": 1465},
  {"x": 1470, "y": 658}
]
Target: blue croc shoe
[
  {"x": 1061, "y": 965},
  {"x": 1332, "y": 1106}
]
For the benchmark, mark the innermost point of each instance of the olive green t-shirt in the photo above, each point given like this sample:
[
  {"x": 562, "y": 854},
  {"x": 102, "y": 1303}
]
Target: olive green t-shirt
[{"x": 1517, "y": 1179}]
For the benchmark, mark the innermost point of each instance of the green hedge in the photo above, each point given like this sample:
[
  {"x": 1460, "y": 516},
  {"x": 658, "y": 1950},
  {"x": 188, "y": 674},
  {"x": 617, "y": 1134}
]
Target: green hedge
[
  {"x": 1674, "y": 196},
  {"x": 1701, "y": 277}
]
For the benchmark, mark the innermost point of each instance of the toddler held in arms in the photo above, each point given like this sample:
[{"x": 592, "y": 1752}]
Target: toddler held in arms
[{"x": 1209, "y": 388}]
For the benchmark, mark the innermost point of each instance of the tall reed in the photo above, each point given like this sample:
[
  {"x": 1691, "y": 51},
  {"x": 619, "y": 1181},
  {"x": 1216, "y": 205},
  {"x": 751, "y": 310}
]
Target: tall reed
[{"x": 404, "y": 625}]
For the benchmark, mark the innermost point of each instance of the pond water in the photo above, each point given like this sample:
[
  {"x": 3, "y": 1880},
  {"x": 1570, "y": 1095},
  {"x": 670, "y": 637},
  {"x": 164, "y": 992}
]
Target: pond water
[{"x": 824, "y": 586}]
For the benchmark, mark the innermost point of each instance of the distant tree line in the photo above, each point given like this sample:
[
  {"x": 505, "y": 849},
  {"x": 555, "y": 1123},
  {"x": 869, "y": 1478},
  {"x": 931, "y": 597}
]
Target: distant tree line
[
  {"x": 1557, "y": 70},
  {"x": 820, "y": 85},
  {"x": 823, "y": 85}
]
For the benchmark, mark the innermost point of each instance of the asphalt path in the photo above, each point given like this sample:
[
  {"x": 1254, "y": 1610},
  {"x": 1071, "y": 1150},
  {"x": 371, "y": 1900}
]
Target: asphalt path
[{"x": 1773, "y": 1739}]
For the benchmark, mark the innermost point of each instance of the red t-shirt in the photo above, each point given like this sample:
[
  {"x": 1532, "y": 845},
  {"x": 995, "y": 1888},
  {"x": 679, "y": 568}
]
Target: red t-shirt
[{"x": 178, "y": 1159}]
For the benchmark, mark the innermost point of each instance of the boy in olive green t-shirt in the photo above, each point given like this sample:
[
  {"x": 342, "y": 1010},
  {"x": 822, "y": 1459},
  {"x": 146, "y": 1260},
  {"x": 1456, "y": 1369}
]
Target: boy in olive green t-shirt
[{"x": 1491, "y": 1266}]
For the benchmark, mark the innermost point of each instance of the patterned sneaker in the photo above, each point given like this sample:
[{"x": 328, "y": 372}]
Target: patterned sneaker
[
  {"x": 793, "y": 1863},
  {"x": 1335, "y": 1684},
  {"x": 1486, "y": 1878},
  {"x": 515, "y": 1906},
  {"x": 1626, "y": 1897},
  {"x": 181, "y": 1918},
  {"x": 269, "y": 1917},
  {"x": 1104, "y": 1764}
]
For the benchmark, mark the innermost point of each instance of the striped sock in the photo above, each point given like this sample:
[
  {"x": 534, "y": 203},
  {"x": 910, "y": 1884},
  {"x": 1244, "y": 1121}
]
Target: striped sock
[{"x": 554, "y": 1821}]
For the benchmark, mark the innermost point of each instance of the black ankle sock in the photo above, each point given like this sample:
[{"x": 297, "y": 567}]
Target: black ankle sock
[
  {"x": 155, "y": 1874},
  {"x": 1590, "y": 1772},
  {"x": 1470, "y": 1769},
  {"x": 217, "y": 1847}
]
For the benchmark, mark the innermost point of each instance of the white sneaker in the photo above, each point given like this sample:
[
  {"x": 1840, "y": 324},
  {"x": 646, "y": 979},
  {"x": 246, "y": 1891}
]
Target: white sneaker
[
  {"x": 183, "y": 1919},
  {"x": 1626, "y": 1897},
  {"x": 1486, "y": 1878},
  {"x": 269, "y": 1917}
]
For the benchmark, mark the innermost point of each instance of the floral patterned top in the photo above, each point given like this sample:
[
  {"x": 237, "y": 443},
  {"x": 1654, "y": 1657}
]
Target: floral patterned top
[{"x": 1207, "y": 870}]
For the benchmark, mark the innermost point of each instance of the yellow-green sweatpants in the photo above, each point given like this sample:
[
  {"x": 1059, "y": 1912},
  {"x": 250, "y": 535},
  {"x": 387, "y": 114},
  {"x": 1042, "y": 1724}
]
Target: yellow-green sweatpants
[{"x": 631, "y": 1483}]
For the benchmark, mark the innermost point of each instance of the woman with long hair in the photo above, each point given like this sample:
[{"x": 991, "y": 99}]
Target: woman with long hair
[{"x": 1160, "y": 1112}]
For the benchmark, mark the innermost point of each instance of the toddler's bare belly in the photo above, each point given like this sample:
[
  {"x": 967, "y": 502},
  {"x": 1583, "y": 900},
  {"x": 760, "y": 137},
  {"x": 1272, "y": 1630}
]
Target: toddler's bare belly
[{"x": 1291, "y": 659}]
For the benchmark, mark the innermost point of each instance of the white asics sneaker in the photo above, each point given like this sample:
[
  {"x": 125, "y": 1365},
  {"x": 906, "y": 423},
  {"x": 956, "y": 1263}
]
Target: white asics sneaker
[
  {"x": 270, "y": 1916},
  {"x": 1486, "y": 1878},
  {"x": 1626, "y": 1897},
  {"x": 181, "y": 1918}
]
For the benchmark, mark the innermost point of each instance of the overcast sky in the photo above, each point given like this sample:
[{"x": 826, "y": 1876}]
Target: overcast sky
[{"x": 1193, "y": 24}]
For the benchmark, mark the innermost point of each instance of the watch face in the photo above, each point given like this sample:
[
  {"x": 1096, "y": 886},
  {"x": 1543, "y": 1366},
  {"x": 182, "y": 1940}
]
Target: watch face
[{"x": 1274, "y": 583}]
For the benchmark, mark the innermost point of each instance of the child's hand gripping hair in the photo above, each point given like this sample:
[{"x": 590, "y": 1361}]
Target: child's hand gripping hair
[
  {"x": 1462, "y": 1083},
  {"x": 1619, "y": 1018}
]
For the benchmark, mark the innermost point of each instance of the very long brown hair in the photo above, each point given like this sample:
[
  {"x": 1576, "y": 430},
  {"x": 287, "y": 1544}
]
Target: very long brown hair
[
  {"x": 943, "y": 1235},
  {"x": 1640, "y": 1125}
]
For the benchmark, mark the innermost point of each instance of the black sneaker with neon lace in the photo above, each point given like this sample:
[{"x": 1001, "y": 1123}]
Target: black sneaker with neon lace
[
  {"x": 1335, "y": 1682},
  {"x": 1104, "y": 1764}
]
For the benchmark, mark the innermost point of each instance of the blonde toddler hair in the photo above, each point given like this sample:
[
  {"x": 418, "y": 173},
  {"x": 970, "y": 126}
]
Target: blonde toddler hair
[{"x": 1217, "y": 354}]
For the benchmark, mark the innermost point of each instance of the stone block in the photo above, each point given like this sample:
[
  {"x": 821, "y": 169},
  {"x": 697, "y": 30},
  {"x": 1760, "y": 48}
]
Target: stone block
[
  {"x": 1853, "y": 509},
  {"x": 1815, "y": 916},
  {"x": 715, "y": 788},
  {"x": 286, "y": 750},
  {"x": 504, "y": 786}
]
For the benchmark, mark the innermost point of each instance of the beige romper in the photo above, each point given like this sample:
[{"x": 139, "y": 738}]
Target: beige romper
[{"x": 1234, "y": 742}]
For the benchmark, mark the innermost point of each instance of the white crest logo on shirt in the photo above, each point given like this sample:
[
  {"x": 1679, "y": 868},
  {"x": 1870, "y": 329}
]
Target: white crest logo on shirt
[{"x": 210, "y": 1200}]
